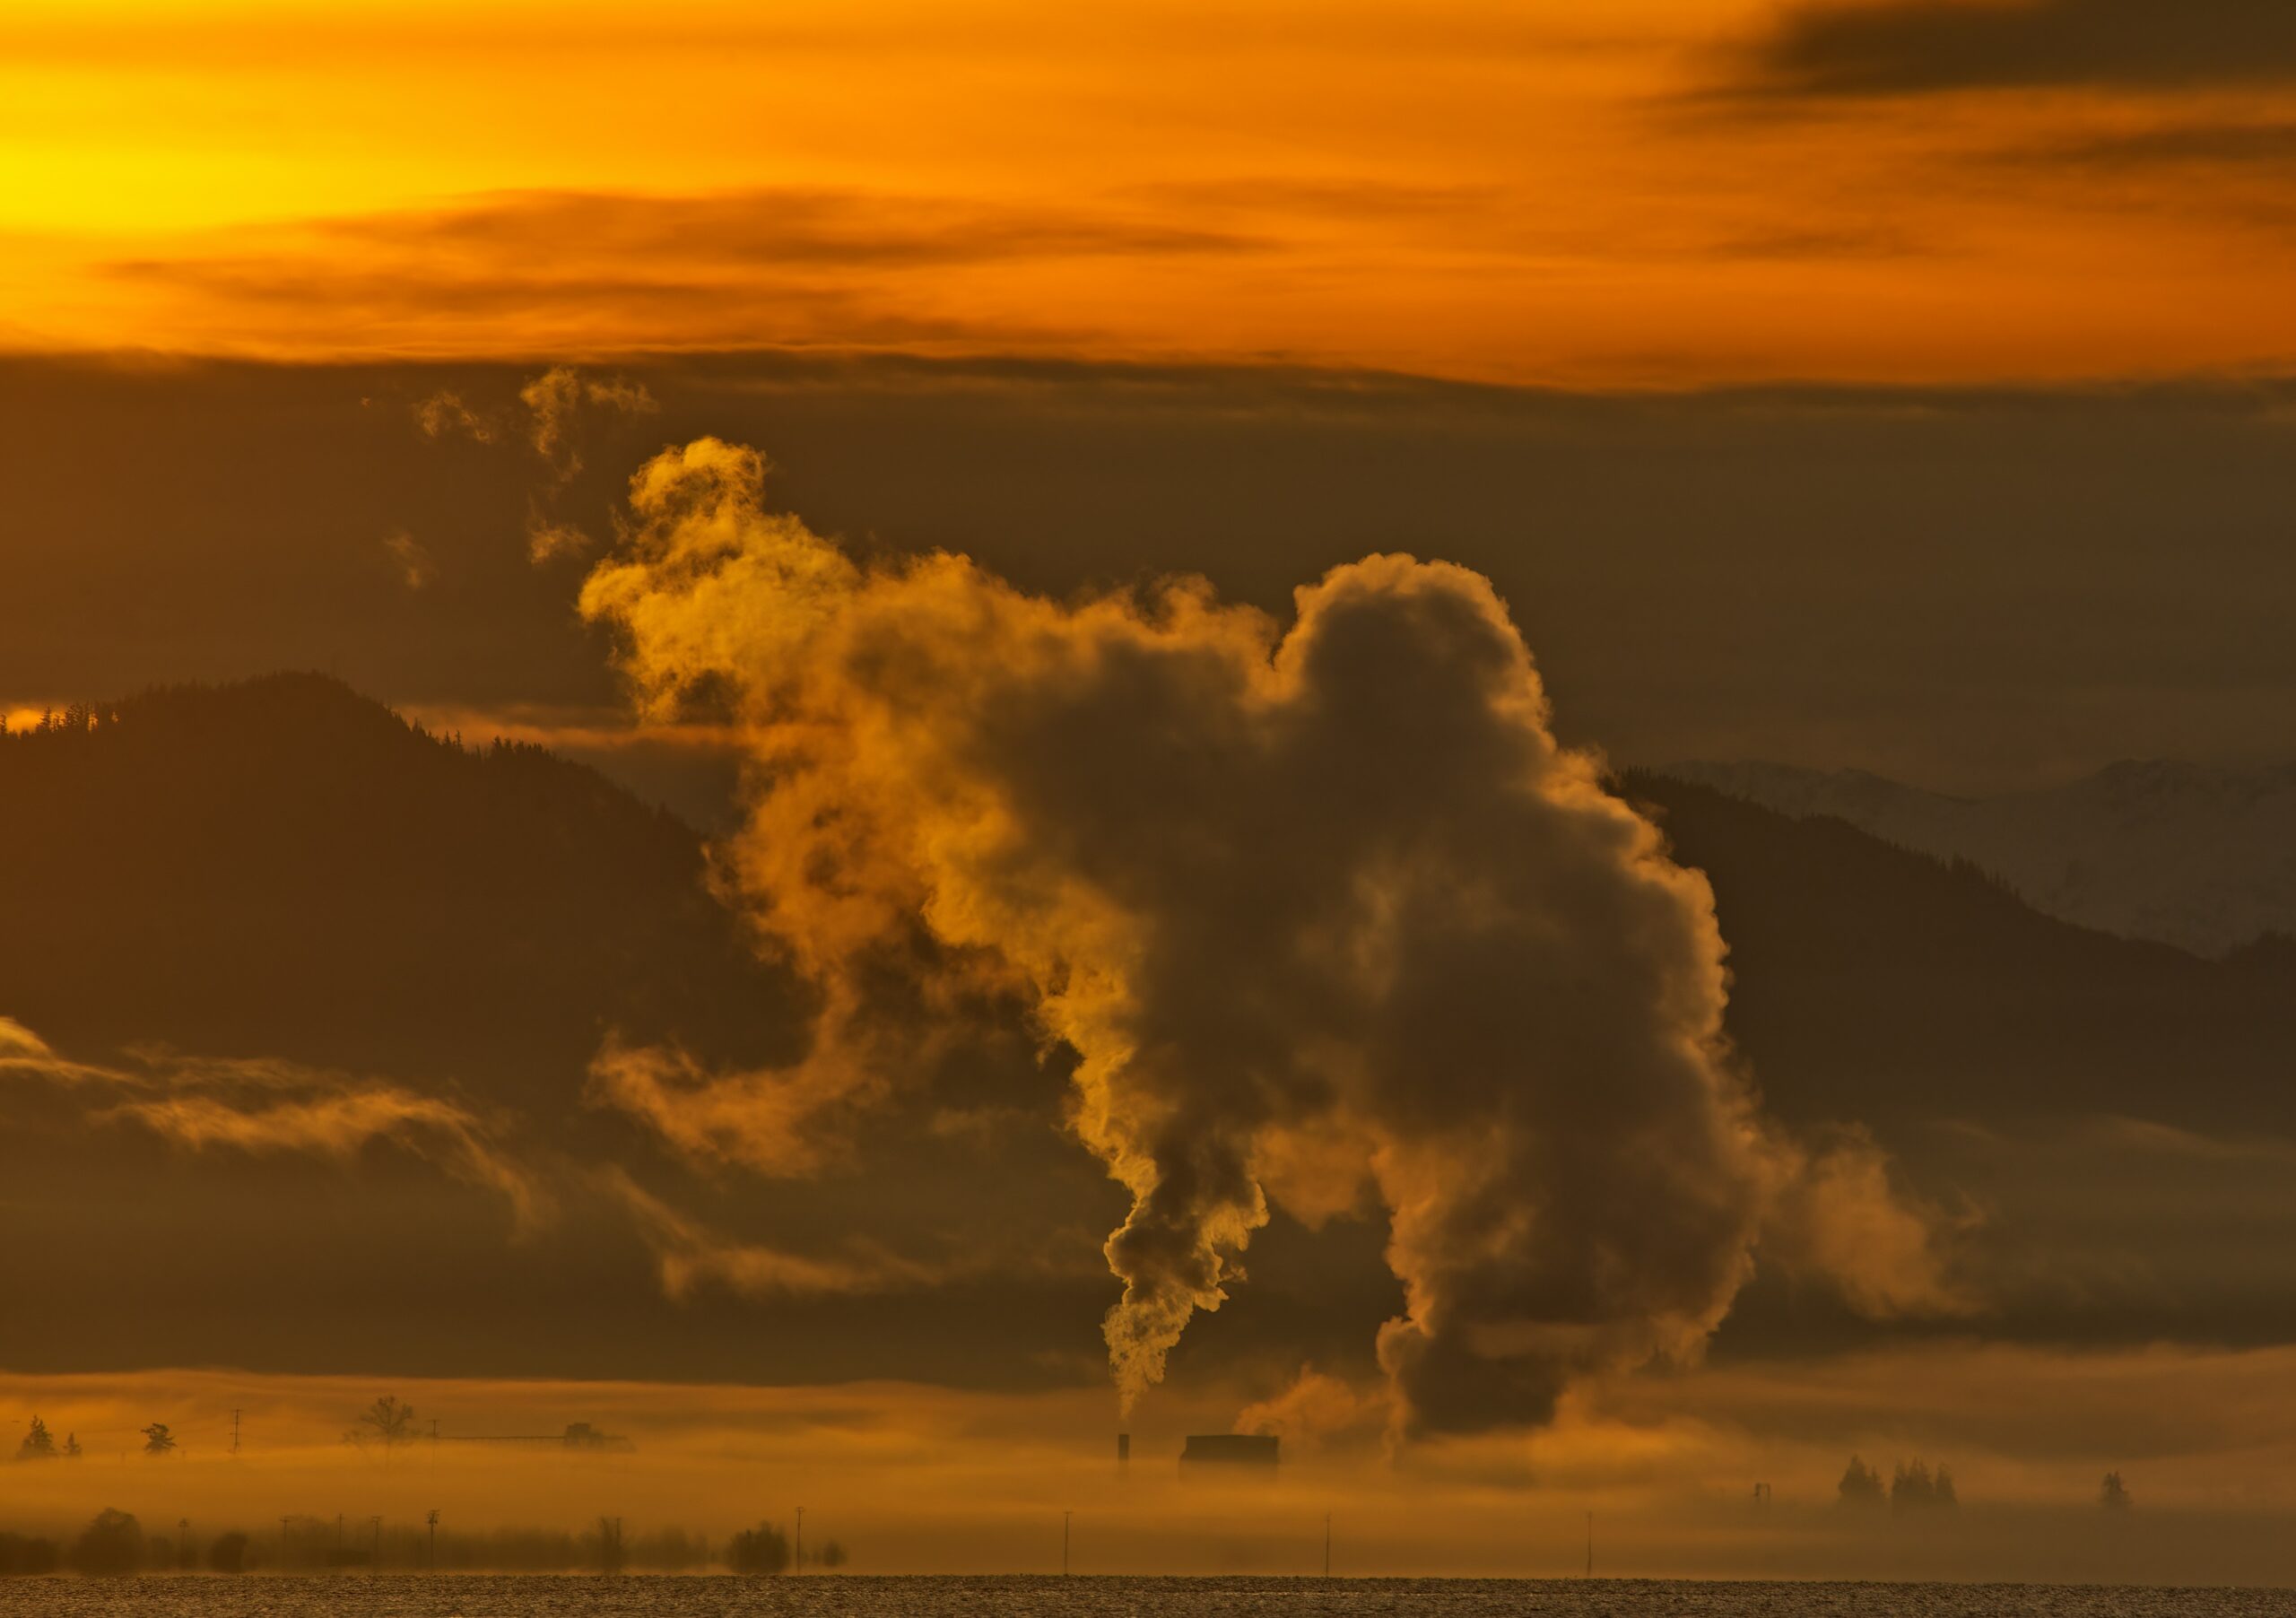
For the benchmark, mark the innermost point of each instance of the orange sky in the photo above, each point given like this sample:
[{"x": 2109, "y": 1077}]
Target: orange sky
[{"x": 1539, "y": 193}]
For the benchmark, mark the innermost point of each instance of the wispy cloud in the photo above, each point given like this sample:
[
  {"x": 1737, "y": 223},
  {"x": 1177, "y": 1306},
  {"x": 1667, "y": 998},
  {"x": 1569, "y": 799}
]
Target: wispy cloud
[
  {"x": 444, "y": 415},
  {"x": 553, "y": 415},
  {"x": 693, "y": 1257},
  {"x": 2267, "y": 144},
  {"x": 572, "y": 728},
  {"x": 267, "y": 1105},
  {"x": 739, "y": 269},
  {"x": 417, "y": 568},
  {"x": 750, "y": 229},
  {"x": 783, "y": 1122}
]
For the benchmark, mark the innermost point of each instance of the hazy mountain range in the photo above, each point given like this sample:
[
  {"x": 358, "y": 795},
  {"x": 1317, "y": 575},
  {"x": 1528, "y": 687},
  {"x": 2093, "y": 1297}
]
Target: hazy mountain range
[
  {"x": 284, "y": 871},
  {"x": 2199, "y": 856}
]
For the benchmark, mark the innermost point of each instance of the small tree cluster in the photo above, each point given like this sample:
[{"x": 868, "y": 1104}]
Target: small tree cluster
[
  {"x": 1911, "y": 1487},
  {"x": 764, "y": 1549},
  {"x": 39, "y": 1444},
  {"x": 2113, "y": 1495},
  {"x": 1915, "y": 1488},
  {"x": 1860, "y": 1484},
  {"x": 385, "y": 1426},
  {"x": 110, "y": 1545},
  {"x": 23, "y": 1555}
]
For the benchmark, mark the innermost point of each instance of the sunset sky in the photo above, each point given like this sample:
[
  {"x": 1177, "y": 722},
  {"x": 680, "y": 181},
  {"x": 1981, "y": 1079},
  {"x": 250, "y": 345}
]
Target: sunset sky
[
  {"x": 1651, "y": 194},
  {"x": 1547, "y": 744}
]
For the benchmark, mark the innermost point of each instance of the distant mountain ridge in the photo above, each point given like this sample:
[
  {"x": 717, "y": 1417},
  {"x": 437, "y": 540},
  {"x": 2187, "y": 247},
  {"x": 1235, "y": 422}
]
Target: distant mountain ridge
[
  {"x": 284, "y": 866},
  {"x": 286, "y": 869},
  {"x": 2203, "y": 856}
]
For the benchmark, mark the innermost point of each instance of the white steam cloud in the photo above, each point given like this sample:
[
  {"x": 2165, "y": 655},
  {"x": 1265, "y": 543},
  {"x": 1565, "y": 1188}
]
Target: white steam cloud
[
  {"x": 554, "y": 410},
  {"x": 1324, "y": 909}
]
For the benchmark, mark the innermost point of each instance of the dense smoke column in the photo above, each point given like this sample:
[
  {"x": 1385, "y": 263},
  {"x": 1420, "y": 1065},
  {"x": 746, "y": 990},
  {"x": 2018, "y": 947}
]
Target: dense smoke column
[{"x": 1333, "y": 886}]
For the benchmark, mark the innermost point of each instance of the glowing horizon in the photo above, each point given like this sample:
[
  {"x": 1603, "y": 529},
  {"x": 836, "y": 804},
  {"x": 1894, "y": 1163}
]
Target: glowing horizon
[{"x": 1534, "y": 201}]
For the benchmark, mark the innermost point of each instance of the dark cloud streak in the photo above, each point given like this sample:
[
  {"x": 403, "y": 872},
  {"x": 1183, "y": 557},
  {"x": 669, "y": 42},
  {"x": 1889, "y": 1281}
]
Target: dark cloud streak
[
  {"x": 2269, "y": 146},
  {"x": 1919, "y": 46}
]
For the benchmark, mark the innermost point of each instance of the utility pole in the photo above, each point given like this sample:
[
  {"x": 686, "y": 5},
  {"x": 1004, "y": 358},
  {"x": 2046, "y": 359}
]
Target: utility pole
[
  {"x": 1327, "y": 1544},
  {"x": 432, "y": 1520},
  {"x": 183, "y": 1542},
  {"x": 375, "y": 1557},
  {"x": 1065, "y": 1516},
  {"x": 235, "y": 1430},
  {"x": 1590, "y": 1545},
  {"x": 797, "y": 1558}
]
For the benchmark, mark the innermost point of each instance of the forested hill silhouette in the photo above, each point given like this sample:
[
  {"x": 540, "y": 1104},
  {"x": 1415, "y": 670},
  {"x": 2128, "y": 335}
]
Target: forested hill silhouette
[
  {"x": 283, "y": 867},
  {"x": 1873, "y": 982}
]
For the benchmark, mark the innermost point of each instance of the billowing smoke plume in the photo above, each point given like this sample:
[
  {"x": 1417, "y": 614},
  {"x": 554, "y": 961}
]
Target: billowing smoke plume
[{"x": 1320, "y": 908}]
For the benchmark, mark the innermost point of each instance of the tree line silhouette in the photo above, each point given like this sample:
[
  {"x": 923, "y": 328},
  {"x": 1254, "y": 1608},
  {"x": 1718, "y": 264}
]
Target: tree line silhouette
[
  {"x": 1912, "y": 1487},
  {"x": 486, "y": 878},
  {"x": 39, "y": 1445},
  {"x": 77, "y": 718},
  {"x": 114, "y": 1543}
]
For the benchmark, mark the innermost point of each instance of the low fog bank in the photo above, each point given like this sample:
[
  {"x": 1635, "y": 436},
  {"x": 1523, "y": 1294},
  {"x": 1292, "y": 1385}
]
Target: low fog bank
[
  {"x": 905, "y": 1479},
  {"x": 1162, "y": 1528}
]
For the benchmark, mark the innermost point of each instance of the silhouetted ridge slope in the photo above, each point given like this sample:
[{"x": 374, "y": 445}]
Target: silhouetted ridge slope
[
  {"x": 285, "y": 868},
  {"x": 2197, "y": 855},
  {"x": 1870, "y": 981}
]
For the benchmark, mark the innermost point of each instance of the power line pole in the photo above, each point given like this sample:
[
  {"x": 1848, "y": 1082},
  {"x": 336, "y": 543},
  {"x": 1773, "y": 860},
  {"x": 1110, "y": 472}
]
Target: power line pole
[
  {"x": 1065, "y": 1516},
  {"x": 1327, "y": 1544},
  {"x": 797, "y": 1559},
  {"x": 235, "y": 1430},
  {"x": 432, "y": 1520},
  {"x": 1590, "y": 1545}
]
